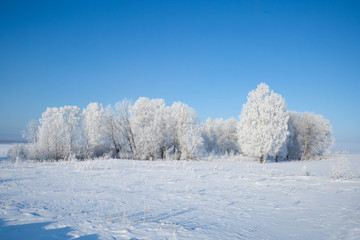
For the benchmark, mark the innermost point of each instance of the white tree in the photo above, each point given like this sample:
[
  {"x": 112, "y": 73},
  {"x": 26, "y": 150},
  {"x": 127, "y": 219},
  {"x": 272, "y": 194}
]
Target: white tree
[
  {"x": 311, "y": 135},
  {"x": 93, "y": 124},
  {"x": 71, "y": 117},
  {"x": 112, "y": 130},
  {"x": 31, "y": 135},
  {"x": 228, "y": 140},
  {"x": 151, "y": 128},
  {"x": 263, "y": 125},
  {"x": 59, "y": 132},
  {"x": 220, "y": 136},
  {"x": 123, "y": 109},
  {"x": 186, "y": 134},
  {"x": 209, "y": 135},
  {"x": 31, "y": 132}
]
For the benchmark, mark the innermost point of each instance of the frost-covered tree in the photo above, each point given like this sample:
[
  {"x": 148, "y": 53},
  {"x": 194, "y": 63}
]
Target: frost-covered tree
[
  {"x": 186, "y": 134},
  {"x": 123, "y": 109},
  {"x": 310, "y": 135},
  {"x": 71, "y": 118},
  {"x": 31, "y": 135},
  {"x": 93, "y": 129},
  {"x": 209, "y": 135},
  {"x": 50, "y": 144},
  {"x": 59, "y": 132},
  {"x": 112, "y": 130},
  {"x": 150, "y": 130},
  {"x": 150, "y": 122},
  {"x": 229, "y": 141},
  {"x": 220, "y": 136},
  {"x": 31, "y": 132},
  {"x": 263, "y": 125}
]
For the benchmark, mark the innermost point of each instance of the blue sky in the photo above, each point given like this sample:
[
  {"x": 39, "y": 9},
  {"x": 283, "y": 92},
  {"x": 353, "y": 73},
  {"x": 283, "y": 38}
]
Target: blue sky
[{"x": 208, "y": 54}]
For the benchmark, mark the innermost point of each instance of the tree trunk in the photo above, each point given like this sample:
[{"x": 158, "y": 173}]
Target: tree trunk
[
  {"x": 130, "y": 145},
  {"x": 277, "y": 158},
  {"x": 261, "y": 159},
  {"x": 179, "y": 154},
  {"x": 131, "y": 134},
  {"x": 306, "y": 143},
  {"x": 162, "y": 153}
]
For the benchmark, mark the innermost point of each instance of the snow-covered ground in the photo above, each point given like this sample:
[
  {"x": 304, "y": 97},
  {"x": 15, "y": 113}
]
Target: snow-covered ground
[{"x": 217, "y": 199}]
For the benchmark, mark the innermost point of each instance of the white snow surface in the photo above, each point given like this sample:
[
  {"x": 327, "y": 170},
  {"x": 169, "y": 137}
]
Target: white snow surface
[{"x": 232, "y": 198}]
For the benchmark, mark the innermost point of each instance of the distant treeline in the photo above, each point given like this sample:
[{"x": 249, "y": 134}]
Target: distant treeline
[{"x": 149, "y": 129}]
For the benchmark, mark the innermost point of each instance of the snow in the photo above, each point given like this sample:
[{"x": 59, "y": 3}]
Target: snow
[{"x": 231, "y": 198}]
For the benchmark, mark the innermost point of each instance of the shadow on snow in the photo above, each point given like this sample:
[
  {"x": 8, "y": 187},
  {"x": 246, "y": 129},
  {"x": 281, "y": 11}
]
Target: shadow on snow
[{"x": 37, "y": 231}]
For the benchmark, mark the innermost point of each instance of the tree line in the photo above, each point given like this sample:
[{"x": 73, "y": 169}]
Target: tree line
[{"x": 149, "y": 129}]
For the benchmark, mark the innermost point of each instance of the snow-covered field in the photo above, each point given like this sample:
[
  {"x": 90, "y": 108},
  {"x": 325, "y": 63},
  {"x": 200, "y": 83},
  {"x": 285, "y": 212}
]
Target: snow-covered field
[{"x": 217, "y": 199}]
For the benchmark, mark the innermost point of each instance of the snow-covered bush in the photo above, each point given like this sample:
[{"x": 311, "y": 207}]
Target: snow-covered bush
[
  {"x": 310, "y": 136},
  {"x": 263, "y": 125},
  {"x": 17, "y": 152},
  {"x": 304, "y": 171},
  {"x": 341, "y": 169}
]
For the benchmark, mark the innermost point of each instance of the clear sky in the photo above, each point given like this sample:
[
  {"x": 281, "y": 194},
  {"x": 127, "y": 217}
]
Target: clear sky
[{"x": 208, "y": 54}]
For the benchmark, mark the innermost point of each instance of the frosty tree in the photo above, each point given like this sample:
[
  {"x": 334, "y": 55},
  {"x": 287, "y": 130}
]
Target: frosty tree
[
  {"x": 112, "y": 130},
  {"x": 123, "y": 109},
  {"x": 220, "y": 136},
  {"x": 310, "y": 135},
  {"x": 151, "y": 127},
  {"x": 263, "y": 125},
  {"x": 59, "y": 132},
  {"x": 31, "y": 132},
  {"x": 186, "y": 134},
  {"x": 92, "y": 123}
]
